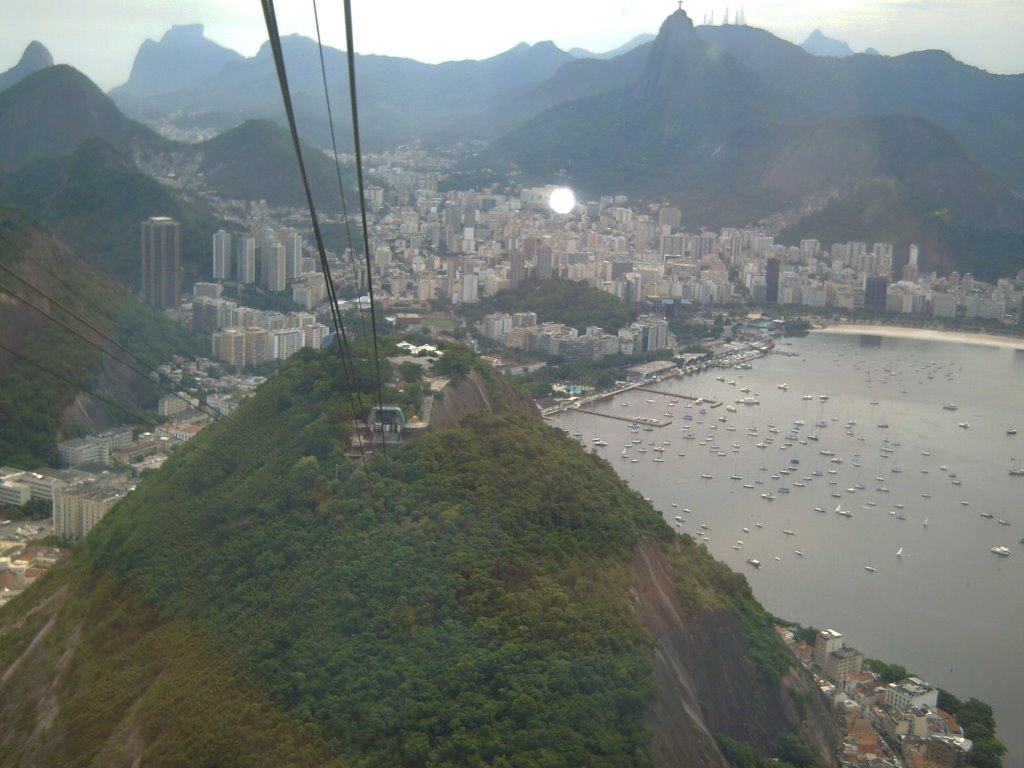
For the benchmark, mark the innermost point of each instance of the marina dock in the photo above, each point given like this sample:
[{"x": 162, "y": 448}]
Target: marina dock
[
  {"x": 631, "y": 419},
  {"x": 691, "y": 398}
]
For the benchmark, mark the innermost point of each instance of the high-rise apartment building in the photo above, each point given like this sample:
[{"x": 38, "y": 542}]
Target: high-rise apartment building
[
  {"x": 293, "y": 255},
  {"x": 221, "y": 255},
  {"x": 229, "y": 346},
  {"x": 286, "y": 342},
  {"x": 470, "y": 288},
  {"x": 771, "y": 280},
  {"x": 257, "y": 345},
  {"x": 273, "y": 266},
  {"x": 544, "y": 260},
  {"x": 517, "y": 268},
  {"x": 875, "y": 287},
  {"x": 910, "y": 269},
  {"x": 827, "y": 640},
  {"x": 79, "y": 507},
  {"x": 246, "y": 262},
  {"x": 161, "y": 262}
]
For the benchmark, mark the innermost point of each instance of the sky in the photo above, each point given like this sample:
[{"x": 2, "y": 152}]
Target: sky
[{"x": 101, "y": 37}]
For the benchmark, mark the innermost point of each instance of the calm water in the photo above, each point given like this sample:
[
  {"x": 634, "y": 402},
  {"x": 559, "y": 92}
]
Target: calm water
[{"x": 948, "y": 609}]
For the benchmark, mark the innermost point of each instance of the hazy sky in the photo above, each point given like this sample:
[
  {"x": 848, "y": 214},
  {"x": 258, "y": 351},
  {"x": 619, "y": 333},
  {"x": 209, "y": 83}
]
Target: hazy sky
[{"x": 101, "y": 37}]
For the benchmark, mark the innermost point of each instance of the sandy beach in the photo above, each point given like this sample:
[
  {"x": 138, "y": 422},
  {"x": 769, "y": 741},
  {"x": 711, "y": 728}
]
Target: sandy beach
[{"x": 926, "y": 334}]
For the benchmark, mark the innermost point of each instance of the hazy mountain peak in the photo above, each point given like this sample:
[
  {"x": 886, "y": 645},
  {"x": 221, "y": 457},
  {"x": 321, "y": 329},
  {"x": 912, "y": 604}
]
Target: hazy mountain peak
[
  {"x": 676, "y": 51},
  {"x": 583, "y": 53},
  {"x": 821, "y": 45},
  {"x": 183, "y": 57},
  {"x": 183, "y": 33},
  {"x": 676, "y": 23},
  {"x": 35, "y": 57},
  {"x": 545, "y": 45},
  {"x": 50, "y": 112}
]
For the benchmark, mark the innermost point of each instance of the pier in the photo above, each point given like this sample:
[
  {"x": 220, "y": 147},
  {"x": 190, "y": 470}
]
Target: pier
[
  {"x": 641, "y": 420},
  {"x": 691, "y": 398}
]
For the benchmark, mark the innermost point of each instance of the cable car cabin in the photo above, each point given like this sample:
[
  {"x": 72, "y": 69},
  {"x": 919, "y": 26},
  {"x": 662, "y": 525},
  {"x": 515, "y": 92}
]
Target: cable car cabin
[{"x": 386, "y": 424}]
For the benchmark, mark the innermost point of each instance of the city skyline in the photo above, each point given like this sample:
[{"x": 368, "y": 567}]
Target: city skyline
[{"x": 477, "y": 31}]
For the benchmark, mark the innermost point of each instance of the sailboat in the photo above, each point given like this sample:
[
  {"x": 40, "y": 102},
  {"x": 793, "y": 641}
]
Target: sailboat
[
  {"x": 925, "y": 523},
  {"x": 899, "y": 552}
]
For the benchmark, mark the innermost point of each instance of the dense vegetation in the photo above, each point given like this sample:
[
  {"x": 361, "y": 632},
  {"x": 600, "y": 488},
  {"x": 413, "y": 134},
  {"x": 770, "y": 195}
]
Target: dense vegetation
[
  {"x": 979, "y": 724},
  {"x": 137, "y": 687},
  {"x": 449, "y": 606},
  {"x": 256, "y": 161},
  {"x": 792, "y": 752},
  {"x": 451, "y": 603},
  {"x": 95, "y": 200},
  {"x": 601, "y": 374},
  {"x": 446, "y": 605},
  {"x": 570, "y": 302}
]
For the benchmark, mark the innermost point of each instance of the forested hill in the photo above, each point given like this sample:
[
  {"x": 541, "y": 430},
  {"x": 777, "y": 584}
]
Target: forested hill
[
  {"x": 571, "y": 302},
  {"x": 60, "y": 376},
  {"x": 487, "y": 595}
]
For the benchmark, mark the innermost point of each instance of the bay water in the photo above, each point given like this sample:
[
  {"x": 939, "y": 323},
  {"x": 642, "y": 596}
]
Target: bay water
[{"x": 913, "y": 440}]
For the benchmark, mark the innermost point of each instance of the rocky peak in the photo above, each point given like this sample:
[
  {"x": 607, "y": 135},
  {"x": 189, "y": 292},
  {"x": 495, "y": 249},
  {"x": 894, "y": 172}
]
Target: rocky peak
[
  {"x": 675, "y": 52},
  {"x": 35, "y": 58}
]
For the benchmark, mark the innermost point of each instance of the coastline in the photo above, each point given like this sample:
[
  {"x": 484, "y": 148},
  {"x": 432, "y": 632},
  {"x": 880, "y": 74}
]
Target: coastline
[{"x": 924, "y": 334}]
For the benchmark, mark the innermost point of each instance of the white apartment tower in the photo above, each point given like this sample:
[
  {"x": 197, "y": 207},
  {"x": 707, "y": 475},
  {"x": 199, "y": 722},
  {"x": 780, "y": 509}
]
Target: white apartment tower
[
  {"x": 293, "y": 255},
  {"x": 828, "y": 640},
  {"x": 221, "y": 255},
  {"x": 273, "y": 264},
  {"x": 246, "y": 251}
]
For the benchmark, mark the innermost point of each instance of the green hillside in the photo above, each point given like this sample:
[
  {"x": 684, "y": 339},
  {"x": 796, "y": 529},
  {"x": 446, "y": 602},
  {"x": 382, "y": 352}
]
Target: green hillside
[
  {"x": 94, "y": 200},
  {"x": 894, "y": 212},
  {"x": 34, "y": 393},
  {"x": 256, "y": 161},
  {"x": 465, "y": 600},
  {"x": 571, "y": 302},
  {"x": 53, "y": 110}
]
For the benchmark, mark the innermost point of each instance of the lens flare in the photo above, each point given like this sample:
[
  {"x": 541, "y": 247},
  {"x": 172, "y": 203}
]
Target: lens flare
[{"x": 562, "y": 200}]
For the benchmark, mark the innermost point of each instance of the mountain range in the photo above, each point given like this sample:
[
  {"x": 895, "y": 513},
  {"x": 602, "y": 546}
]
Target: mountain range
[
  {"x": 736, "y": 126},
  {"x": 819, "y": 44},
  {"x": 70, "y": 158},
  {"x": 732, "y": 124},
  {"x": 712, "y": 118}
]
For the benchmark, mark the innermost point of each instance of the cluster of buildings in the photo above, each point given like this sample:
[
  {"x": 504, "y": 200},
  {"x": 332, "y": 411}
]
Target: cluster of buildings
[
  {"x": 79, "y": 498},
  {"x": 460, "y": 246},
  {"x": 22, "y": 565},
  {"x": 850, "y": 276},
  {"x": 463, "y": 245},
  {"x": 271, "y": 259},
  {"x": 885, "y": 725},
  {"x": 98, "y": 470},
  {"x": 242, "y": 336},
  {"x": 522, "y": 331}
]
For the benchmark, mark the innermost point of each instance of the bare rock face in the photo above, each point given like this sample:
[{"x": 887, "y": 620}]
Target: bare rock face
[
  {"x": 471, "y": 393},
  {"x": 707, "y": 683}
]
